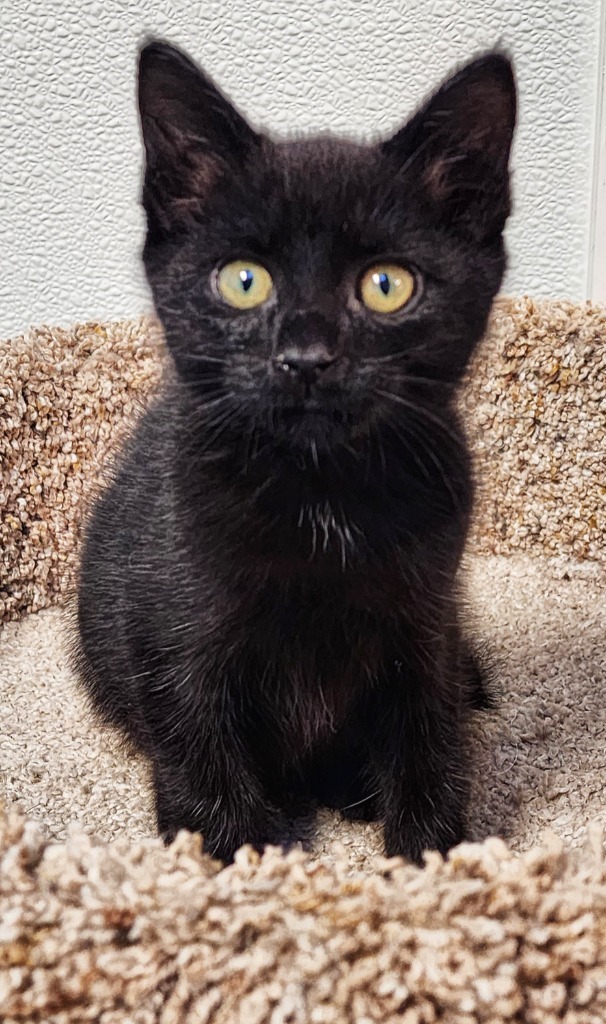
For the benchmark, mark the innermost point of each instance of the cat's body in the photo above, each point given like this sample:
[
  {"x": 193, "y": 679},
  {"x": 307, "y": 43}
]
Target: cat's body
[{"x": 268, "y": 594}]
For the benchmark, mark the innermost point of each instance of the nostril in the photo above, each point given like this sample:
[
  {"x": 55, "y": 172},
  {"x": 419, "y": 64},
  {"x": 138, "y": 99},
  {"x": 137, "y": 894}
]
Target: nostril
[{"x": 308, "y": 361}]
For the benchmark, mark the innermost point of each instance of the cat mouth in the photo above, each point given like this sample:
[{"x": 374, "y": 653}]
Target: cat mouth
[
  {"x": 315, "y": 423},
  {"x": 313, "y": 409}
]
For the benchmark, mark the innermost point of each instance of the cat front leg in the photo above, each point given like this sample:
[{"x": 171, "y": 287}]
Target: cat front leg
[
  {"x": 221, "y": 801},
  {"x": 205, "y": 779},
  {"x": 417, "y": 751}
]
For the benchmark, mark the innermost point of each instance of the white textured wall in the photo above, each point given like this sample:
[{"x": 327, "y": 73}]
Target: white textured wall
[{"x": 70, "y": 154}]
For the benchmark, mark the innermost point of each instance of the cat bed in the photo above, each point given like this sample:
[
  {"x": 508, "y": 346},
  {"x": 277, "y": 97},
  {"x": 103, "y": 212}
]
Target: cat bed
[{"x": 99, "y": 922}]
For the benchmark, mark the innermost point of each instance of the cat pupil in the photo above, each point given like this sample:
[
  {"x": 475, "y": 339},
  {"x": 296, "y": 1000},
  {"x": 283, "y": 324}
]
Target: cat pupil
[
  {"x": 246, "y": 277},
  {"x": 383, "y": 282}
]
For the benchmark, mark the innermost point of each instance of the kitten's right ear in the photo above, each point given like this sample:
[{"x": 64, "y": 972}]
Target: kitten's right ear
[{"x": 192, "y": 135}]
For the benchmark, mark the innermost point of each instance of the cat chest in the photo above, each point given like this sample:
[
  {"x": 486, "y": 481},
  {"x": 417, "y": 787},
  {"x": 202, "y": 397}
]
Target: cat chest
[
  {"x": 318, "y": 648},
  {"x": 309, "y": 693}
]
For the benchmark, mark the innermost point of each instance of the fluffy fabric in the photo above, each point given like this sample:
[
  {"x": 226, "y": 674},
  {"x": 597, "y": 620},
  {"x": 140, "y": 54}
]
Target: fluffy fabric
[{"x": 126, "y": 931}]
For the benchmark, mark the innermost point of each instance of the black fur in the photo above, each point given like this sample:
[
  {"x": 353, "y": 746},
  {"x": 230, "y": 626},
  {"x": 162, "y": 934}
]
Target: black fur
[{"x": 268, "y": 592}]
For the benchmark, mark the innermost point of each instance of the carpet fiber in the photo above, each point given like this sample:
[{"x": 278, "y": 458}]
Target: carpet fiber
[
  {"x": 541, "y": 755},
  {"x": 98, "y": 922}
]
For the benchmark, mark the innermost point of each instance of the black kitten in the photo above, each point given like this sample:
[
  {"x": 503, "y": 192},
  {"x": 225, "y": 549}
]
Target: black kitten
[{"x": 268, "y": 593}]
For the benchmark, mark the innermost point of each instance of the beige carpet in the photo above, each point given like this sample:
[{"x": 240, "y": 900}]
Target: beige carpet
[
  {"x": 541, "y": 756},
  {"x": 535, "y": 404},
  {"x": 100, "y": 923},
  {"x": 132, "y": 934}
]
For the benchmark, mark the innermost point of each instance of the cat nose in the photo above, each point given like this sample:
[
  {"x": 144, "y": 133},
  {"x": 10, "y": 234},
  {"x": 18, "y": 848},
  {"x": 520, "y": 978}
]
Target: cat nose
[{"x": 307, "y": 362}]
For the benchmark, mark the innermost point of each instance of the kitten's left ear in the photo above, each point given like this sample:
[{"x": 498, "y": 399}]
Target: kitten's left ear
[
  {"x": 192, "y": 135},
  {"x": 457, "y": 147}
]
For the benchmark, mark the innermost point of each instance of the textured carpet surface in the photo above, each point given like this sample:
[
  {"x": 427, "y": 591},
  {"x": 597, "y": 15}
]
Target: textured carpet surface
[
  {"x": 131, "y": 933},
  {"x": 535, "y": 405},
  {"x": 98, "y": 922},
  {"x": 540, "y": 757},
  {"x": 134, "y": 934}
]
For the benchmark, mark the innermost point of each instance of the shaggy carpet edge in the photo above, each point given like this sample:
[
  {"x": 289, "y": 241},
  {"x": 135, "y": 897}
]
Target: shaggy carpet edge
[{"x": 136, "y": 932}]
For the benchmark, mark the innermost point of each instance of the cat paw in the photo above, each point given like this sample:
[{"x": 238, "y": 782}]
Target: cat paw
[{"x": 412, "y": 843}]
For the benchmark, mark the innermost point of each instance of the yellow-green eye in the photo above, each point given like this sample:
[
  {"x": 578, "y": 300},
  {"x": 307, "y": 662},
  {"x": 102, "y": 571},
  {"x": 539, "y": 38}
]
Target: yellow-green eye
[
  {"x": 386, "y": 287},
  {"x": 244, "y": 284}
]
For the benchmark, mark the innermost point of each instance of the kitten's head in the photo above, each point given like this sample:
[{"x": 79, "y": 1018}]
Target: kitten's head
[{"x": 317, "y": 292}]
